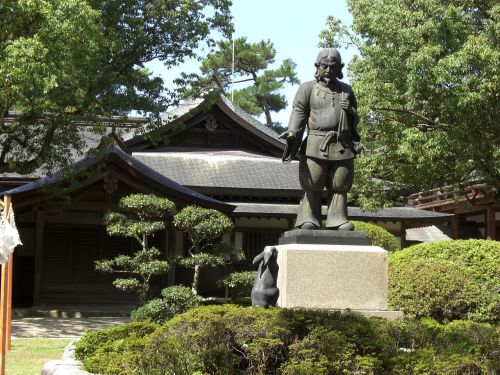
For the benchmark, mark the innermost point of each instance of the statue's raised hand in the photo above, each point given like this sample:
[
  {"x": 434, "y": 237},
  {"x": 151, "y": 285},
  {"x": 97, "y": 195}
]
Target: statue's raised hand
[{"x": 289, "y": 134}]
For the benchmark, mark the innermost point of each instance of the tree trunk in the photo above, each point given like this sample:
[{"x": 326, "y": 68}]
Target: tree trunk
[
  {"x": 267, "y": 112},
  {"x": 196, "y": 277},
  {"x": 263, "y": 101}
]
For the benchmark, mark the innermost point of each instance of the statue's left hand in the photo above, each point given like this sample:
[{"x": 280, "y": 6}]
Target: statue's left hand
[{"x": 345, "y": 104}]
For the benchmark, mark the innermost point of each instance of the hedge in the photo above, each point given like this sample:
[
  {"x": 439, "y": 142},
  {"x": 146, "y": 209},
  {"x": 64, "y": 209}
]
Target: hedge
[
  {"x": 447, "y": 280},
  {"x": 236, "y": 340},
  {"x": 379, "y": 236}
]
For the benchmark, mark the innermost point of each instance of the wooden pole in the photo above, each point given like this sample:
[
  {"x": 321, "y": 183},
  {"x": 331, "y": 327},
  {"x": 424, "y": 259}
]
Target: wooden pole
[
  {"x": 3, "y": 301},
  {"x": 4, "y": 306},
  {"x": 3, "y": 319},
  {"x": 10, "y": 267},
  {"x": 8, "y": 328}
]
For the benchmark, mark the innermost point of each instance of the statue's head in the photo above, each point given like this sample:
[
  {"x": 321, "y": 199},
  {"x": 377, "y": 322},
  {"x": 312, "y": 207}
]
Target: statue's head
[{"x": 328, "y": 65}]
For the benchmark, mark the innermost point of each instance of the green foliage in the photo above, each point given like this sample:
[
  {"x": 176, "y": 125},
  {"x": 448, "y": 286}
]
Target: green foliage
[
  {"x": 64, "y": 62},
  {"x": 240, "y": 283},
  {"x": 143, "y": 265},
  {"x": 102, "y": 348},
  {"x": 379, "y": 236},
  {"x": 204, "y": 228},
  {"x": 142, "y": 215},
  {"x": 426, "y": 71},
  {"x": 202, "y": 260},
  {"x": 147, "y": 207},
  {"x": 117, "y": 224},
  {"x": 236, "y": 340},
  {"x": 447, "y": 280},
  {"x": 251, "y": 63},
  {"x": 175, "y": 300}
]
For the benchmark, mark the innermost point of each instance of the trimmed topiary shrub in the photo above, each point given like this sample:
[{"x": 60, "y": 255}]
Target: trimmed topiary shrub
[
  {"x": 239, "y": 283},
  {"x": 447, "y": 280},
  {"x": 175, "y": 300},
  {"x": 104, "y": 349},
  {"x": 379, "y": 236},
  {"x": 235, "y": 340}
]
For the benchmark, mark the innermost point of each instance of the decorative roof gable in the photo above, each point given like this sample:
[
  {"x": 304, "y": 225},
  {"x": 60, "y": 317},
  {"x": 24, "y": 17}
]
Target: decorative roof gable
[{"x": 211, "y": 123}]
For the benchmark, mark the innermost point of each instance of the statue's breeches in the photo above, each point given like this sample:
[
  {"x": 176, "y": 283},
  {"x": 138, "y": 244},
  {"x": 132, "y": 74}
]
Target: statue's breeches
[{"x": 315, "y": 174}]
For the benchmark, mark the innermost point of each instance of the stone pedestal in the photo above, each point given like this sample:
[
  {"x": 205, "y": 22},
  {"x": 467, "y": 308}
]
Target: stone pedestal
[{"x": 329, "y": 276}]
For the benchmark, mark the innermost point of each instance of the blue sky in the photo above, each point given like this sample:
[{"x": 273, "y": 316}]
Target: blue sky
[{"x": 293, "y": 28}]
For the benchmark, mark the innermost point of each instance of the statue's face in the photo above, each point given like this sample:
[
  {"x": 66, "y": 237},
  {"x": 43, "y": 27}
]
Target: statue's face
[{"x": 328, "y": 69}]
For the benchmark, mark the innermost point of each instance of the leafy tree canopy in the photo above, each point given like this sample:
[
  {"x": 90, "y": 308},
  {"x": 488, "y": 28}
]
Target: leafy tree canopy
[
  {"x": 251, "y": 63},
  {"x": 205, "y": 228},
  {"x": 140, "y": 217},
  {"x": 427, "y": 82},
  {"x": 64, "y": 62}
]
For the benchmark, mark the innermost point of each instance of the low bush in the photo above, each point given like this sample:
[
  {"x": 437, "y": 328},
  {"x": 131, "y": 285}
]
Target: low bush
[
  {"x": 239, "y": 283},
  {"x": 175, "y": 300},
  {"x": 447, "y": 280},
  {"x": 235, "y": 340},
  {"x": 379, "y": 236},
  {"x": 104, "y": 350}
]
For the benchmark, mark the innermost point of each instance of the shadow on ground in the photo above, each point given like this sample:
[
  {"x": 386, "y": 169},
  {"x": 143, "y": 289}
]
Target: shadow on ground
[{"x": 61, "y": 327}]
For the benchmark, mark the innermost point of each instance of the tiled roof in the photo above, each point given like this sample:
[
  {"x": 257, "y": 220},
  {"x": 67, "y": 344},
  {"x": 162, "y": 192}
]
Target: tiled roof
[
  {"x": 225, "y": 168},
  {"x": 250, "y": 119},
  {"x": 355, "y": 213},
  {"x": 191, "y": 104},
  {"x": 170, "y": 185},
  {"x": 426, "y": 234}
]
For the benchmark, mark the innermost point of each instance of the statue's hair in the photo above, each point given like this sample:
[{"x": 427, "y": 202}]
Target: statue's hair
[{"x": 334, "y": 54}]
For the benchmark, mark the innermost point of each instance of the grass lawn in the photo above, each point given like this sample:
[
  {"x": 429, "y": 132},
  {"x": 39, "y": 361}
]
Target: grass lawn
[{"x": 28, "y": 355}]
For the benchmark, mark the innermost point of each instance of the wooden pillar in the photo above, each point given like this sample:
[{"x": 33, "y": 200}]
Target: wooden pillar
[
  {"x": 455, "y": 226},
  {"x": 39, "y": 230},
  {"x": 403, "y": 235},
  {"x": 491, "y": 223}
]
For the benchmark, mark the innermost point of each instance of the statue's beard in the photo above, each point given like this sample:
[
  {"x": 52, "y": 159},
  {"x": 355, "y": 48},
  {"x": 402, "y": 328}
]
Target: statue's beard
[
  {"x": 323, "y": 76},
  {"x": 327, "y": 78}
]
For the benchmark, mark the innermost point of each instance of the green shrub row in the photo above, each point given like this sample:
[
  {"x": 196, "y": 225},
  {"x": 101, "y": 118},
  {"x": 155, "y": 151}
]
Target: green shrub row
[
  {"x": 379, "y": 236},
  {"x": 235, "y": 340},
  {"x": 447, "y": 280}
]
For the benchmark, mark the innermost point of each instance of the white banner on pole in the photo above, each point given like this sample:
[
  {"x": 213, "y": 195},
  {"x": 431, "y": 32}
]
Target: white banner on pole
[{"x": 9, "y": 235}]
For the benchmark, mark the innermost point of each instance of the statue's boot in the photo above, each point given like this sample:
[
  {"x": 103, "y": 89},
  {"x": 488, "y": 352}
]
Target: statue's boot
[
  {"x": 336, "y": 217},
  {"x": 308, "y": 225},
  {"x": 309, "y": 213},
  {"x": 346, "y": 226}
]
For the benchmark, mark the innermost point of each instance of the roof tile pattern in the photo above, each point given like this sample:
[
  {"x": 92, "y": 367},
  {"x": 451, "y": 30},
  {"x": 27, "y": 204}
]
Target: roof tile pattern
[
  {"x": 228, "y": 169},
  {"x": 355, "y": 213}
]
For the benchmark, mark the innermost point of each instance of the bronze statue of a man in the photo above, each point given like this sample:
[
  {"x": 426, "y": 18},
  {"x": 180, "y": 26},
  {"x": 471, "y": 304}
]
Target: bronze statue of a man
[{"x": 326, "y": 155}]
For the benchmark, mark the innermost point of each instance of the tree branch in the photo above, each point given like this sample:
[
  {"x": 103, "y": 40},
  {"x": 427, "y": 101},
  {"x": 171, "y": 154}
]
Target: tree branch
[
  {"x": 428, "y": 125},
  {"x": 38, "y": 160}
]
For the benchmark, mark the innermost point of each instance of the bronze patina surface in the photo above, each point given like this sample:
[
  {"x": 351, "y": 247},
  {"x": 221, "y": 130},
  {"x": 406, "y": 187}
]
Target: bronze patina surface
[{"x": 327, "y": 108}]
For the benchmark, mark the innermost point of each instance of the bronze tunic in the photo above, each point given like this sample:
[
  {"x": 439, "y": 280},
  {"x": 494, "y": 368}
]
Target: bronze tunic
[{"x": 331, "y": 132}]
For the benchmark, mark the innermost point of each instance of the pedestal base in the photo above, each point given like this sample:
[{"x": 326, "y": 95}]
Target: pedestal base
[{"x": 332, "y": 277}]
